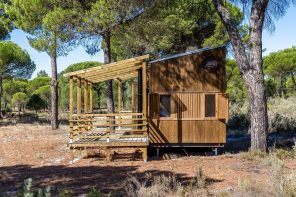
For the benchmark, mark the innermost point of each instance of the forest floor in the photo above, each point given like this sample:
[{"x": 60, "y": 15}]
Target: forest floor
[{"x": 38, "y": 152}]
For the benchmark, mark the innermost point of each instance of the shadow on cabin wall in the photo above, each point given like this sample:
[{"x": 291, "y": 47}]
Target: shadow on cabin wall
[{"x": 185, "y": 74}]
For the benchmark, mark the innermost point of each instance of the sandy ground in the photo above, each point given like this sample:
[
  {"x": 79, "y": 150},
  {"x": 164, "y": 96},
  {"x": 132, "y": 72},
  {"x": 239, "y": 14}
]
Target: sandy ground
[{"x": 37, "y": 152}]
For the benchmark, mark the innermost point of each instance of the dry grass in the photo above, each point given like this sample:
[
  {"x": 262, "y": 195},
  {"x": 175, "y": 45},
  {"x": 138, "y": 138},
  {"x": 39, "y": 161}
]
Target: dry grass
[
  {"x": 166, "y": 185},
  {"x": 252, "y": 155},
  {"x": 36, "y": 148}
]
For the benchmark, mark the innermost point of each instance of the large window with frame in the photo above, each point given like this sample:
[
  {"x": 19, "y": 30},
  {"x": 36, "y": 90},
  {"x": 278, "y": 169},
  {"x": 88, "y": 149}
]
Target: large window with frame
[
  {"x": 210, "y": 105},
  {"x": 165, "y": 105}
]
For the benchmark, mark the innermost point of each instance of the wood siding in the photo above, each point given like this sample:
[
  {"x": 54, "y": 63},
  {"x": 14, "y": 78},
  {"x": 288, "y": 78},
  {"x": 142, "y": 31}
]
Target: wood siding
[
  {"x": 187, "y": 82},
  {"x": 186, "y": 131},
  {"x": 189, "y": 105},
  {"x": 188, "y": 74}
]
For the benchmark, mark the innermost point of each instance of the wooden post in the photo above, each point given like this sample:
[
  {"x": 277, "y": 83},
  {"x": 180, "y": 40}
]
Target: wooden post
[
  {"x": 119, "y": 95},
  {"x": 144, "y": 89},
  {"x": 91, "y": 104},
  {"x": 85, "y": 87},
  {"x": 144, "y": 154},
  {"x": 78, "y": 96},
  {"x": 119, "y": 101},
  {"x": 144, "y": 105},
  {"x": 108, "y": 154},
  {"x": 85, "y": 105},
  {"x": 90, "y": 98},
  {"x": 133, "y": 97},
  {"x": 78, "y": 103},
  {"x": 144, "y": 97},
  {"x": 71, "y": 155},
  {"x": 71, "y": 88}
]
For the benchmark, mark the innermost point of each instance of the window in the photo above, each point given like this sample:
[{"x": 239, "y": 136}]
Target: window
[
  {"x": 165, "y": 107},
  {"x": 210, "y": 105}
]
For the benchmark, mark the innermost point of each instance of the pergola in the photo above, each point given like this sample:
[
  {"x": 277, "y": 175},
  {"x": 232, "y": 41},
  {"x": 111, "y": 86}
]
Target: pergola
[
  {"x": 83, "y": 122},
  {"x": 121, "y": 70}
]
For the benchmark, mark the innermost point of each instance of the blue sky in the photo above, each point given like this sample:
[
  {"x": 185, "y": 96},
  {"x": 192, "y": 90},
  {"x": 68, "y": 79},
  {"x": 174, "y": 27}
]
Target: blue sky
[{"x": 283, "y": 37}]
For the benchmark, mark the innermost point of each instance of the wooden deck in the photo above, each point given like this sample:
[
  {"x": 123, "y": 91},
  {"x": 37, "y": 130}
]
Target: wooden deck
[
  {"x": 89, "y": 131},
  {"x": 103, "y": 139}
]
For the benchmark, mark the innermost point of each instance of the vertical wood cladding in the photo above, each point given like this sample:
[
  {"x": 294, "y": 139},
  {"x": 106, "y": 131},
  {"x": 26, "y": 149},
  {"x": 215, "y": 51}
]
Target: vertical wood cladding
[
  {"x": 187, "y": 73},
  {"x": 187, "y": 82}
]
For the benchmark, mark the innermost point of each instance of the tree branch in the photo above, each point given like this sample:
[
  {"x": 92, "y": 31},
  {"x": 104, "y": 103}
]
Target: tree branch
[
  {"x": 236, "y": 41},
  {"x": 256, "y": 27}
]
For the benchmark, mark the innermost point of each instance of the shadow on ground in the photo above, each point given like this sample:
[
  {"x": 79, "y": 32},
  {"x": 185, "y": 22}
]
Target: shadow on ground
[
  {"x": 284, "y": 140},
  {"x": 79, "y": 180}
]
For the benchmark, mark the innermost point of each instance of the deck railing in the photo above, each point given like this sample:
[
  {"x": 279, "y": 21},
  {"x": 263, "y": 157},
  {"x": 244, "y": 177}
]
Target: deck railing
[{"x": 107, "y": 127}]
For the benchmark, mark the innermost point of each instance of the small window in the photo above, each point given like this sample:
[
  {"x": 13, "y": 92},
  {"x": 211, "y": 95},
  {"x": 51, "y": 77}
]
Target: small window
[
  {"x": 165, "y": 107},
  {"x": 210, "y": 105}
]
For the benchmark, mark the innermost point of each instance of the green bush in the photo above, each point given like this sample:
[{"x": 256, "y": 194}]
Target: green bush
[
  {"x": 94, "y": 193},
  {"x": 282, "y": 123},
  {"x": 27, "y": 190}
]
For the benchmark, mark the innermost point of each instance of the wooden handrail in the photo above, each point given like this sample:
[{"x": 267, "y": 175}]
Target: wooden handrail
[
  {"x": 117, "y": 119},
  {"x": 129, "y": 125},
  {"x": 109, "y": 115}
]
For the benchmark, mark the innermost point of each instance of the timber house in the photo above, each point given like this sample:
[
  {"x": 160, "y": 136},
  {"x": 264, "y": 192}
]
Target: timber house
[{"x": 178, "y": 101}]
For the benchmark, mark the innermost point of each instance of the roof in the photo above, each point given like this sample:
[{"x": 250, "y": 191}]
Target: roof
[
  {"x": 121, "y": 70},
  {"x": 186, "y": 53},
  {"x": 125, "y": 69}
]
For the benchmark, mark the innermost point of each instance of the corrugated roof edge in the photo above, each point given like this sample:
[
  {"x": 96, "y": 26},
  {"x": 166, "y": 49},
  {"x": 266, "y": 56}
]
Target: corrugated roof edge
[{"x": 186, "y": 53}]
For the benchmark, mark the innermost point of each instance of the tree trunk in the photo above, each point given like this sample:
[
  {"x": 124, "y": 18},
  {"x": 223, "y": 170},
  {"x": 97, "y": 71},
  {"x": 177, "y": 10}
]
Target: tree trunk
[
  {"x": 107, "y": 60},
  {"x": 250, "y": 66},
  {"x": 282, "y": 91},
  {"x": 54, "y": 86},
  {"x": 258, "y": 109},
  {"x": 1, "y": 93}
]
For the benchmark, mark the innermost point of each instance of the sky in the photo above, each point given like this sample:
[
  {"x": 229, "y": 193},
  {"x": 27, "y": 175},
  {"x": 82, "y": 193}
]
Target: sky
[{"x": 283, "y": 37}]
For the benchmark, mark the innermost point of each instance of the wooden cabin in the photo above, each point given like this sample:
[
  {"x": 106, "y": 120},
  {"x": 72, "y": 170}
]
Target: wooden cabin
[{"x": 178, "y": 101}]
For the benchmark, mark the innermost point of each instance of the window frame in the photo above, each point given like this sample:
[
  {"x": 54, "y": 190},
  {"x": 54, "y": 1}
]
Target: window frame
[
  {"x": 170, "y": 105},
  {"x": 204, "y": 107}
]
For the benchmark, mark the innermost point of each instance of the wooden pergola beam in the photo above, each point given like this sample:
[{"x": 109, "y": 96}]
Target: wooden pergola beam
[
  {"x": 121, "y": 63},
  {"x": 116, "y": 68},
  {"x": 121, "y": 77},
  {"x": 113, "y": 74}
]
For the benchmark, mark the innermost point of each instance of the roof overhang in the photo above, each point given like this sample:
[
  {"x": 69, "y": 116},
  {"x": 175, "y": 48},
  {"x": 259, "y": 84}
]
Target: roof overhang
[{"x": 121, "y": 70}]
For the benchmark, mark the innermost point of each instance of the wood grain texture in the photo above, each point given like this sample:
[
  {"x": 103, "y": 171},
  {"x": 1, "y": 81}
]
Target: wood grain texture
[
  {"x": 187, "y": 82},
  {"x": 188, "y": 74},
  {"x": 187, "y": 131}
]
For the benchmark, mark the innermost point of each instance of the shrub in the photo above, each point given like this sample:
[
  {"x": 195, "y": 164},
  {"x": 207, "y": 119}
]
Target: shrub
[
  {"x": 288, "y": 187},
  {"x": 94, "y": 193},
  {"x": 282, "y": 123},
  {"x": 248, "y": 188},
  {"x": 253, "y": 155},
  {"x": 27, "y": 192},
  {"x": 239, "y": 116},
  {"x": 165, "y": 185},
  {"x": 282, "y": 114},
  {"x": 283, "y": 154},
  {"x": 36, "y": 103}
]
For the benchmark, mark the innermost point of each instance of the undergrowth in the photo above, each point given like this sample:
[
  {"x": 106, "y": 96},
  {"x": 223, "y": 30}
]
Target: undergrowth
[{"x": 279, "y": 183}]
